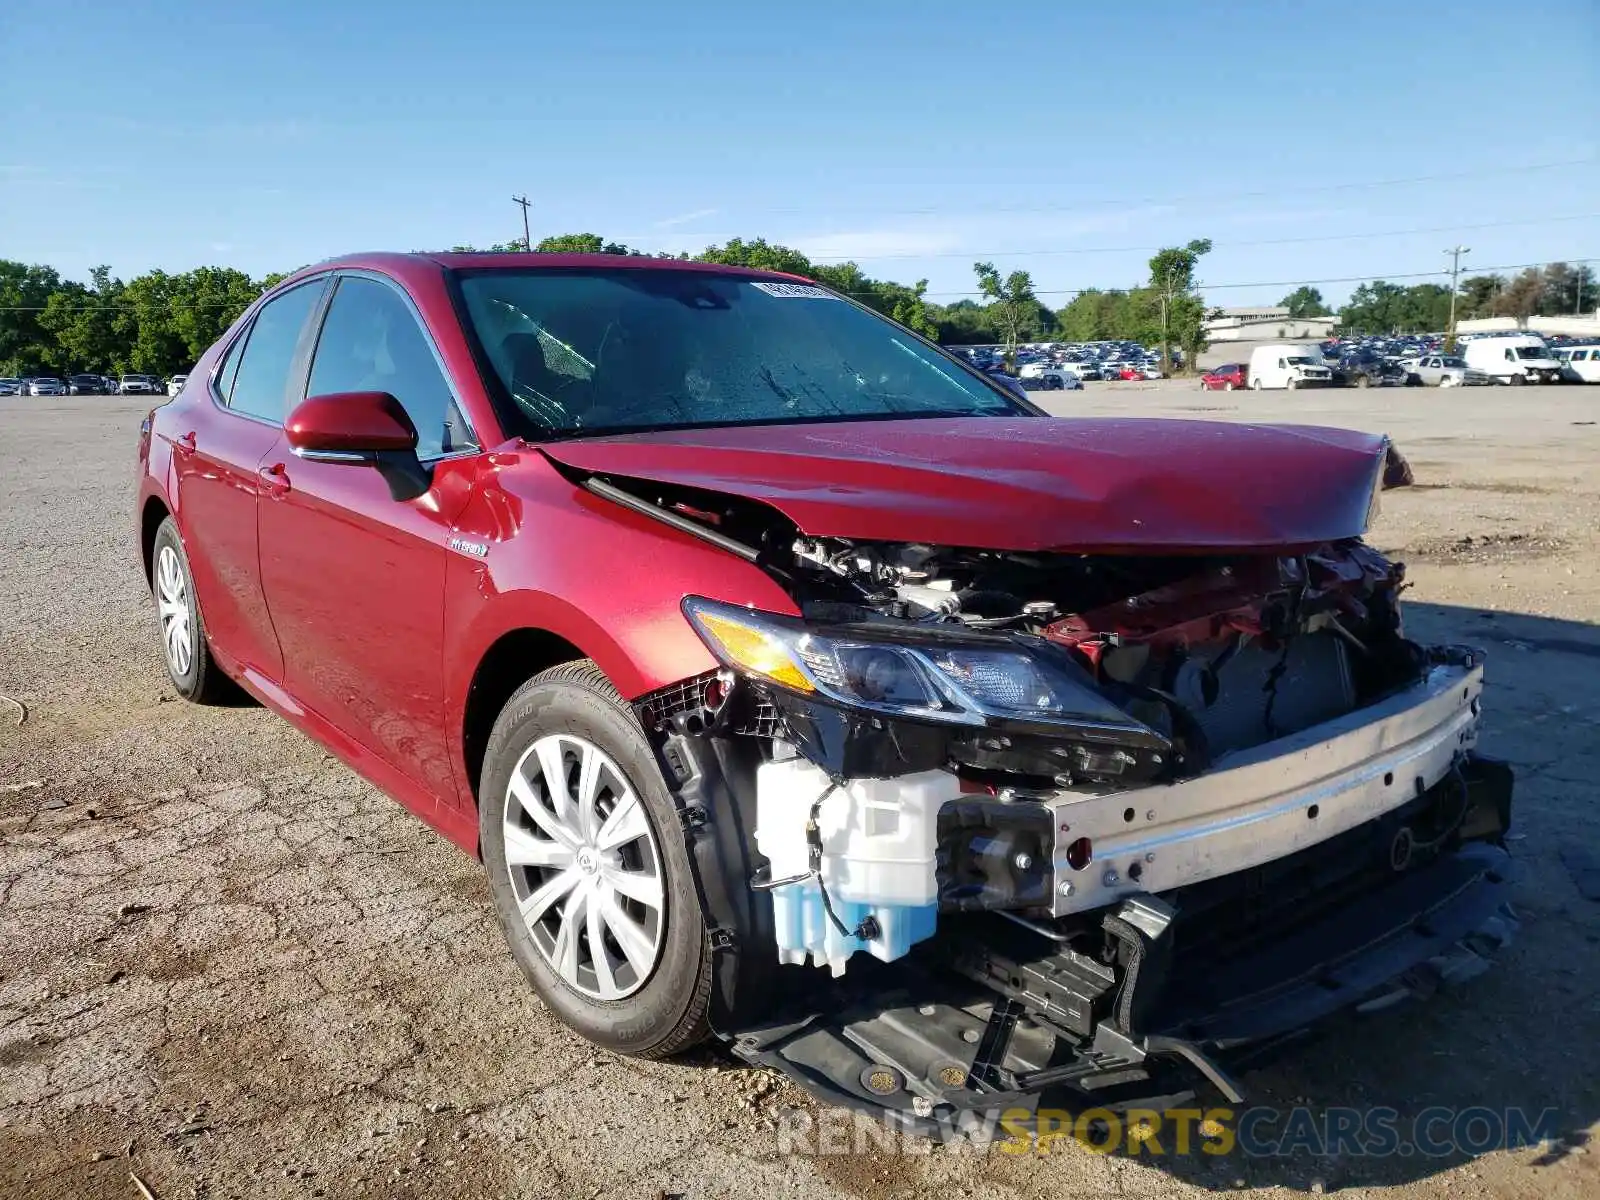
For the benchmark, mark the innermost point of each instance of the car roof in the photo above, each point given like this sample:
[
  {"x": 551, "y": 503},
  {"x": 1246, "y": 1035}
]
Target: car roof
[{"x": 411, "y": 266}]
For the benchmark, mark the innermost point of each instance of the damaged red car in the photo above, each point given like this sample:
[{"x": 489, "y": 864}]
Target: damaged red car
[{"x": 798, "y": 685}]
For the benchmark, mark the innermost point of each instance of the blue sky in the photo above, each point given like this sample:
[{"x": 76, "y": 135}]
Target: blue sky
[{"x": 1069, "y": 139}]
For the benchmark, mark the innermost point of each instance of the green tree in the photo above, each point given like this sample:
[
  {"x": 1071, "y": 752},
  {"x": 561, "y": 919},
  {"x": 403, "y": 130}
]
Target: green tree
[
  {"x": 964, "y": 323},
  {"x": 1015, "y": 306},
  {"x": 1478, "y": 294},
  {"x": 760, "y": 255},
  {"x": 26, "y": 346},
  {"x": 1567, "y": 290},
  {"x": 82, "y": 320},
  {"x": 575, "y": 243},
  {"x": 1182, "y": 314},
  {"x": 1306, "y": 301}
]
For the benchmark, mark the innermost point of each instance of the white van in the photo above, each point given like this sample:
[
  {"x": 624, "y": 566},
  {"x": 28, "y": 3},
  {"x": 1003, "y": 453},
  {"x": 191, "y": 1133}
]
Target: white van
[
  {"x": 1517, "y": 358},
  {"x": 1579, "y": 364},
  {"x": 1287, "y": 365}
]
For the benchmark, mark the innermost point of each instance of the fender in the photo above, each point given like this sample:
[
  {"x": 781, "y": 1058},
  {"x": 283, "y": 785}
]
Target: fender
[{"x": 522, "y": 558}]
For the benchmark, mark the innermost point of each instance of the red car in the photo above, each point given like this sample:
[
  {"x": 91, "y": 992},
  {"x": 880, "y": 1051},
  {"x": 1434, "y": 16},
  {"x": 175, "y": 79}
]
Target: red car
[
  {"x": 736, "y": 628},
  {"x": 1228, "y": 377}
]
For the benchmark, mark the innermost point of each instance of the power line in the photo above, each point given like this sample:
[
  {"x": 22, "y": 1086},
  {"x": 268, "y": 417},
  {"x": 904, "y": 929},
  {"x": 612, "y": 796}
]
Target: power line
[
  {"x": 829, "y": 259},
  {"x": 1193, "y": 197},
  {"x": 1369, "y": 277}
]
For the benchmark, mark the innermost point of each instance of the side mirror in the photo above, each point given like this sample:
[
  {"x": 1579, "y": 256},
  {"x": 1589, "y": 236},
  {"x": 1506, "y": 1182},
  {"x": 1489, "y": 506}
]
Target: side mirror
[
  {"x": 349, "y": 427},
  {"x": 364, "y": 428}
]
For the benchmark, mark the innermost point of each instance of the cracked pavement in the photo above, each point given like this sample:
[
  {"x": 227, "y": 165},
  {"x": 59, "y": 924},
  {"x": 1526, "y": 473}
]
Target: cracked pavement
[{"x": 233, "y": 968}]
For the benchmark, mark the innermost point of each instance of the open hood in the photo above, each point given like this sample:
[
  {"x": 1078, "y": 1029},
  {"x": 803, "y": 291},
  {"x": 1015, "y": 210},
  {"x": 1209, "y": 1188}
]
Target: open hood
[{"x": 1091, "y": 485}]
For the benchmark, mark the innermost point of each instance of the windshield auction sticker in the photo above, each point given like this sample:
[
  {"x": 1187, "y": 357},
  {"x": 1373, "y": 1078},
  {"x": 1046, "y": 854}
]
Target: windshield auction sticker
[{"x": 795, "y": 291}]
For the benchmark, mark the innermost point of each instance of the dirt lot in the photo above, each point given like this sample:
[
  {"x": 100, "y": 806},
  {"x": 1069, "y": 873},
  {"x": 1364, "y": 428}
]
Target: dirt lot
[{"x": 229, "y": 966}]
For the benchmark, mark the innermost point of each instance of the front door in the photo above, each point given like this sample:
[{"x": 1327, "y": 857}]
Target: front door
[{"x": 354, "y": 578}]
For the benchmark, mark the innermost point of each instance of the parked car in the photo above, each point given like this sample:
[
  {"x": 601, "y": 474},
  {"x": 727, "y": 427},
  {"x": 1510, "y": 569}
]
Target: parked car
[
  {"x": 85, "y": 385},
  {"x": 1063, "y": 378},
  {"x": 175, "y": 384},
  {"x": 10, "y": 387},
  {"x": 1228, "y": 377},
  {"x": 1361, "y": 371},
  {"x": 138, "y": 385},
  {"x": 1443, "y": 370},
  {"x": 1579, "y": 364},
  {"x": 1287, "y": 365},
  {"x": 1515, "y": 359},
  {"x": 734, "y": 631},
  {"x": 45, "y": 385}
]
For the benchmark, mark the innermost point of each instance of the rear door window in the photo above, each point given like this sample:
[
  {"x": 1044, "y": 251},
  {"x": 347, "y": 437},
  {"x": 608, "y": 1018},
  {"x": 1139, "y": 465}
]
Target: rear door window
[{"x": 261, "y": 384}]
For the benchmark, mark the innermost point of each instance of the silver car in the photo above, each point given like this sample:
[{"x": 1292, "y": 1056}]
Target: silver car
[
  {"x": 1444, "y": 370},
  {"x": 46, "y": 386},
  {"x": 10, "y": 387}
]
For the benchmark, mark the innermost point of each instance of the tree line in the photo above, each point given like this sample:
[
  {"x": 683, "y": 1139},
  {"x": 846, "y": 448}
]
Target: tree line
[{"x": 160, "y": 323}]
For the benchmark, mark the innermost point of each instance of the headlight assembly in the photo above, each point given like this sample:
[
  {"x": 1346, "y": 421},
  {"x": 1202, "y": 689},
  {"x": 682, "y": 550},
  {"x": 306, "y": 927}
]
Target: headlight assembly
[{"x": 920, "y": 673}]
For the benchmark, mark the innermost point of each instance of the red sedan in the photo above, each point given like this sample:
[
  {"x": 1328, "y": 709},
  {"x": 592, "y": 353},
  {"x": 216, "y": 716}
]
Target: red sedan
[
  {"x": 736, "y": 627},
  {"x": 1227, "y": 378}
]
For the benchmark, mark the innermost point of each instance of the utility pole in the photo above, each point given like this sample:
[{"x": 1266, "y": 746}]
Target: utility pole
[
  {"x": 1578, "y": 308},
  {"x": 1455, "y": 253},
  {"x": 526, "y": 203}
]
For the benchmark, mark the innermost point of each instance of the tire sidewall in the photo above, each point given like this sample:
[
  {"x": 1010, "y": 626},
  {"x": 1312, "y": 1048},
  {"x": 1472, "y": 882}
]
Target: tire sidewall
[
  {"x": 189, "y": 684},
  {"x": 638, "y": 1022}
]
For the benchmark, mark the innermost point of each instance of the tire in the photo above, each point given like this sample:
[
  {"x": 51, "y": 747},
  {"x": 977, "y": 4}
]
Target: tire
[
  {"x": 1293, "y": 385},
  {"x": 1518, "y": 380},
  {"x": 1255, "y": 385},
  {"x": 1446, "y": 381},
  {"x": 1363, "y": 381},
  {"x": 194, "y": 674},
  {"x": 1228, "y": 387},
  {"x": 648, "y": 992}
]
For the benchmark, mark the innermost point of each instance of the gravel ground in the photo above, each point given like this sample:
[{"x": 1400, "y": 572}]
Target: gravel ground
[{"x": 231, "y": 968}]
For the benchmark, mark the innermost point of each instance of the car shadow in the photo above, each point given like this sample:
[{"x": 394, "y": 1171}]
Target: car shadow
[{"x": 1515, "y": 1045}]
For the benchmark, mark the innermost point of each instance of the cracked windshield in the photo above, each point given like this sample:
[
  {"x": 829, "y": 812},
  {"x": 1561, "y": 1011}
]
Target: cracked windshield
[{"x": 622, "y": 350}]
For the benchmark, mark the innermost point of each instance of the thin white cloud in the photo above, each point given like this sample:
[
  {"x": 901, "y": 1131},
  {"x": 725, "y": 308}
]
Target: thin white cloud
[{"x": 685, "y": 218}]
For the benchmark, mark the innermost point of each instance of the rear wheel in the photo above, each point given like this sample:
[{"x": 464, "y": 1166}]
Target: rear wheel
[
  {"x": 1228, "y": 387},
  {"x": 183, "y": 635},
  {"x": 593, "y": 889}
]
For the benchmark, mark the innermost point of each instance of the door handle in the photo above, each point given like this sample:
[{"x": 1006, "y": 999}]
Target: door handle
[
  {"x": 184, "y": 443},
  {"x": 274, "y": 479}
]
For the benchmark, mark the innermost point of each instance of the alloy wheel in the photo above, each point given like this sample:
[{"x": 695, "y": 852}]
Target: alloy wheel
[
  {"x": 172, "y": 599},
  {"x": 584, "y": 866}
]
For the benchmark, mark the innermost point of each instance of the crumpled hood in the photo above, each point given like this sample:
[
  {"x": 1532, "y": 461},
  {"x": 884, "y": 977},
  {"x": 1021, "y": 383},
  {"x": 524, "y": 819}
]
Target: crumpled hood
[{"x": 1103, "y": 485}]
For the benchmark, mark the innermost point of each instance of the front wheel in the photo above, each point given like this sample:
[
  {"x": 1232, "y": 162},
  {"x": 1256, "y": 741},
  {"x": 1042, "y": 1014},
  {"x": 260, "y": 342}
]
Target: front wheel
[
  {"x": 1518, "y": 380},
  {"x": 591, "y": 881},
  {"x": 1255, "y": 385}
]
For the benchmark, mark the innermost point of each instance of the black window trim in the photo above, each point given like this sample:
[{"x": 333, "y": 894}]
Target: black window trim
[
  {"x": 297, "y": 363},
  {"x": 320, "y": 319}
]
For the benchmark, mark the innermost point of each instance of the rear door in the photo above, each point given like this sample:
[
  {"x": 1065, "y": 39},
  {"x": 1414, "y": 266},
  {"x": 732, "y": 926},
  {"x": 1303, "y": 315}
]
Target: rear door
[
  {"x": 215, "y": 461},
  {"x": 355, "y": 578}
]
